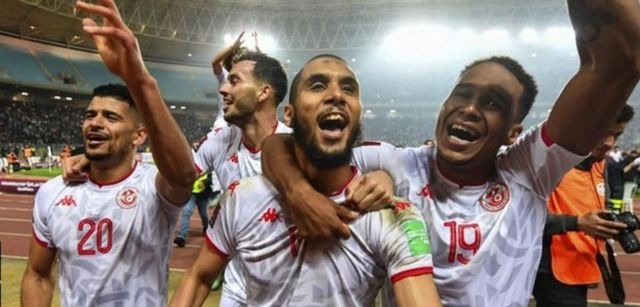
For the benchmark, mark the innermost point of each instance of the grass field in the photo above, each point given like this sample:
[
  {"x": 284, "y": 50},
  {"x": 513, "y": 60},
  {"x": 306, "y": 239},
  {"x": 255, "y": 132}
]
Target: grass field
[
  {"x": 43, "y": 172},
  {"x": 12, "y": 270}
]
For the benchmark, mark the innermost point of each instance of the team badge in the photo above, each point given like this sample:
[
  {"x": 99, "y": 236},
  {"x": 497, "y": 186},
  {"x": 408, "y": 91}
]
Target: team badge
[
  {"x": 127, "y": 198},
  {"x": 495, "y": 197}
]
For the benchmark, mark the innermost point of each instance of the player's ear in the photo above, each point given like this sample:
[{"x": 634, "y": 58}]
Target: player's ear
[
  {"x": 140, "y": 136},
  {"x": 265, "y": 92},
  {"x": 513, "y": 134},
  {"x": 288, "y": 114}
]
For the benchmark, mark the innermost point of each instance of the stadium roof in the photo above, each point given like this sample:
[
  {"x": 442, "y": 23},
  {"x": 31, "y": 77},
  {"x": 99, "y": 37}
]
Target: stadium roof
[{"x": 189, "y": 31}]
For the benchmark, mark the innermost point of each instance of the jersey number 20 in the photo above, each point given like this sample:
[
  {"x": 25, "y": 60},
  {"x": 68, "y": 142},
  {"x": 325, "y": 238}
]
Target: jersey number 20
[{"x": 101, "y": 232}]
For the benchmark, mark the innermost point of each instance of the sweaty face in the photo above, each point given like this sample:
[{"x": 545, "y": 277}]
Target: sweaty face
[
  {"x": 240, "y": 93},
  {"x": 478, "y": 117},
  {"x": 109, "y": 130},
  {"x": 607, "y": 142},
  {"x": 326, "y": 113}
]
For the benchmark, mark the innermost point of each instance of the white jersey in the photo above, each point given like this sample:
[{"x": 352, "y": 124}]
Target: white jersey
[
  {"x": 113, "y": 240},
  {"x": 224, "y": 153},
  {"x": 279, "y": 268},
  {"x": 486, "y": 238}
]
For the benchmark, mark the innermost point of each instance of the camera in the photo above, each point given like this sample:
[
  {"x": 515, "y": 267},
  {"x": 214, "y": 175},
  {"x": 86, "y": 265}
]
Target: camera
[{"x": 627, "y": 239}]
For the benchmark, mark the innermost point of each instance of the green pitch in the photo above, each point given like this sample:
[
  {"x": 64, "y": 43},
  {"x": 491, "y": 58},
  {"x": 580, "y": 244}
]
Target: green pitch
[{"x": 42, "y": 172}]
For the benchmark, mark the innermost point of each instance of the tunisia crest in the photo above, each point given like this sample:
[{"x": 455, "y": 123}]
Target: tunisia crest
[
  {"x": 495, "y": 197},
  {"x": 127, "y": 198}
]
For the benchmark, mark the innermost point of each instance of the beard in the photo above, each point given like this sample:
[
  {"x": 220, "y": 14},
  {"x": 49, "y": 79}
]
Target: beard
[
  {"x": 113, "y": 152},
  {"x": 318, "y": 157}
]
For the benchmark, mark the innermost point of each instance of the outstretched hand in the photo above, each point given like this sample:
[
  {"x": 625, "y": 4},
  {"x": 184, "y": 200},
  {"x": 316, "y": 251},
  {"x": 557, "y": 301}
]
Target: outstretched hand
[{"x": 116, "y": 43}]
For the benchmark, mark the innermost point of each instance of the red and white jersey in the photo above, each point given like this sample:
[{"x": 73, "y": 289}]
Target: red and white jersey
[
  {"x": 113, "y": 240},
  {"x": 486, "y": 238},
  {"x": 279, "y": 268},
  {"x": 224, "y": 153}
]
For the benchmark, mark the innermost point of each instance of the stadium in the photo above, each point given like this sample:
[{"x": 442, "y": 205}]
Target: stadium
[{"x": 408, "y": 54}]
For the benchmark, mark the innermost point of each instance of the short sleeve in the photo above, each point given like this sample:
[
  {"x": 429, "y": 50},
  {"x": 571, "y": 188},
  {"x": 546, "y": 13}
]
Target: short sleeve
[
  {"x": 404, "y": 242},
  {"x": 210, "y": 150},
  {"x": 220, "y": 232},
  {"x": 536, "y": 162},
  {"x": 40, "y": 223}
]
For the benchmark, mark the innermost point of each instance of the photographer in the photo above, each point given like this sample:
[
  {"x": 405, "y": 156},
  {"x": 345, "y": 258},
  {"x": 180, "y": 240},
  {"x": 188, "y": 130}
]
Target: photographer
[{"x": 574, "y": 225}]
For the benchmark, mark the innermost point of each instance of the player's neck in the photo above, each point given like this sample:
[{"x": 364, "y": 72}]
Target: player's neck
[
  {"x": 103, "y": 172},
  {"x": 466, "y": 175},
  {"x": 259, "y": 127},
  {"x": 326, "y": 181}
]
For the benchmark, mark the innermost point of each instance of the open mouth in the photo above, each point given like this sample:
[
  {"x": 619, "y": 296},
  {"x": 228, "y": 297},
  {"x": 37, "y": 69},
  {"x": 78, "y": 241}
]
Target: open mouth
[
  {"x": 333, "y": 122},
  {"x": 332, "y": 125},
  {"x": 96, "y": 138},
  {"x": 462, "y": 134}
]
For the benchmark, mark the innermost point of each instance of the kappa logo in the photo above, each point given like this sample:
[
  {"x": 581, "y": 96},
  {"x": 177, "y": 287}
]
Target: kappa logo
[
  {"x": 234, "y": 158},
  {"x": 495, "y": 197},
  {"x": 425, "y": 192},
  {"x": 127, "y": 198},
  {"x": 67, "y": 201},
  {"x": 232, "y": 187},
  {"x": 270, "y": 216},
  {"x": 401, "y": 205}
]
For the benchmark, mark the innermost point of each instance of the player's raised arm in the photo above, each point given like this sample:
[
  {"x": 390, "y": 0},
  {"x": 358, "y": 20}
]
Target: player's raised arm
[
  {"x": 219, "y": 58},
  {"x": 608, "y": 42},
  {"x": 120, "y": 52},
  {"x": 37, "y": 284}
]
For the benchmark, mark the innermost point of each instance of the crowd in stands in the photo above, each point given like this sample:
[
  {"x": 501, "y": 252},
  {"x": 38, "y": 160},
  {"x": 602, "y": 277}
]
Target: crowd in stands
[{"x": 56, "y": 124}]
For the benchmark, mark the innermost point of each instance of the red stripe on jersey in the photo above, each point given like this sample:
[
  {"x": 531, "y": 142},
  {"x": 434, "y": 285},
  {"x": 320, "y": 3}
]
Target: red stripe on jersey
[
  {"x": 215, "y": 249},
  {"x": 198, "y": 170},
  {"x": 410, "y": 273},
  {"x": 545, "y": 136},
  {"x": 40, "y": 242},
  {"x": 123, "y": 178},
  {"x": 369, "y": 143},
  {"x": 354, "y": 171}
]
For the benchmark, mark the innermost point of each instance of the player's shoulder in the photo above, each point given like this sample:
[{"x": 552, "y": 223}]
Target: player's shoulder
[
  {"x": 50, "y": 190},
  {"x": 252, "y": 188},
  {"x": 398, "y": 211},
  {"x": 220, "y": 138}
]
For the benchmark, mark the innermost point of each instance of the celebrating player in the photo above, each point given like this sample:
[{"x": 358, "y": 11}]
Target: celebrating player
[
  {"x": 279, "y": 269},
  {"x": 112, "y": 234},
  {"x": 485, "y": 212}
]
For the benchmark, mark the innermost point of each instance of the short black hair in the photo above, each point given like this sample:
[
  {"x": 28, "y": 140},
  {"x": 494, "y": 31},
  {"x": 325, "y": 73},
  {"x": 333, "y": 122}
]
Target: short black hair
[
  {"x": 527, "y": 81},
  {"x": 625, "y": 115},
  {"x": 268, "y": 70},
  {"x": 294, "y": 84},
  {"x": 117, "y": 91},
  {"x": 228, "y": 61}
]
